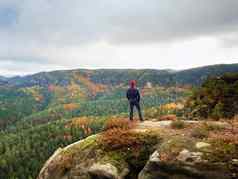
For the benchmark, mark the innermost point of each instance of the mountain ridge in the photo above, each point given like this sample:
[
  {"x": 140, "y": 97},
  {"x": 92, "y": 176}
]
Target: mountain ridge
[
  {"x": 123, "y": 69},
  {"x": 193, "y": 76}
]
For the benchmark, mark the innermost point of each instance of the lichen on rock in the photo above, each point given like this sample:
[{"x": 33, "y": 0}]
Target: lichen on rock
[
  {"x": 179, "y": 158},
  {"x": 89, "y": 159}
]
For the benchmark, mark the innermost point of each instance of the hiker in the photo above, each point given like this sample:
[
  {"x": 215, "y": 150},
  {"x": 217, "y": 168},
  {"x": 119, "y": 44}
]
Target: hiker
[{"x": 133, "y": 96}]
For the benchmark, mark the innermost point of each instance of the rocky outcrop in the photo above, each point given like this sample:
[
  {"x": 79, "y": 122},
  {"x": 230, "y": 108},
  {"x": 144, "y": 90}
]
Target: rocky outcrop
[
  {"x": 180, "y": 170},
  {"x": 188, "y": 164},
  {"x": 88, "y": 159},
  {"x": 146, "y": 157},
  {"x": 83, "y": 160}
]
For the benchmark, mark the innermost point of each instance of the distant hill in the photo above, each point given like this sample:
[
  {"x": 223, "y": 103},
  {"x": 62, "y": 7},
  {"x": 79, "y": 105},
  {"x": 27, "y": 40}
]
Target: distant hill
[
  {"x": 114, "y": 77},
  {"x": 3, "y": 80},
  {"x": 2, "y": 77},
  {"x": 197, "y": 76}
]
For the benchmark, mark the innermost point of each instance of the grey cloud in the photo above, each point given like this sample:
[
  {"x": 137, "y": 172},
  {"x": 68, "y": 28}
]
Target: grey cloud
[
  {"x": 229, "y": 40},
  {"x": 23, "y": 60},
  {"x": 171, "y": 20},
  {"x": 132, "y": 21},
  {"x": 42, "y": 25}
]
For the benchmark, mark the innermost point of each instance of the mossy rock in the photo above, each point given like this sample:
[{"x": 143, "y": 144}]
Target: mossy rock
[
  {"x": 88, "y": 158},
  {"x": 78, "y": 159},
  {"x": 167, "y": 163},
  {"x": 178, "y": 170}
]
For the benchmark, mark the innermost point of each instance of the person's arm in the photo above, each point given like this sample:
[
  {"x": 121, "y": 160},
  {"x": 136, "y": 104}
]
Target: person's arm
[
  {"x": 138, "y": 95},
  {"x": 127, "y": 95}
]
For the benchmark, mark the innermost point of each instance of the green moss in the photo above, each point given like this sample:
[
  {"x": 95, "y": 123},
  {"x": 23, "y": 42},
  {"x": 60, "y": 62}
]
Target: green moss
[
  {"x": 178, "y": 124},
  {"x": 90, "y": 141},
  {"x": 70, "y": 152},
  {"x": 200, "y": 132},
  {"x": 116, "y": 158},
  {"x": 173, "y": 145},
  {"x": 221, "y": 151},
  {"x": 83, "y": 144},
  {"x": 90, "y": 150},
  {"x": 138, "y": 156},
  {"x": 179, "y": 142},
  {"x": 213, "y": 127},
  {"x": 134, "y": 156}
]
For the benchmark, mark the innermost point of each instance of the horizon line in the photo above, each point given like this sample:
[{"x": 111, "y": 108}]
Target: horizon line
[{"x": 112, "y": 68}]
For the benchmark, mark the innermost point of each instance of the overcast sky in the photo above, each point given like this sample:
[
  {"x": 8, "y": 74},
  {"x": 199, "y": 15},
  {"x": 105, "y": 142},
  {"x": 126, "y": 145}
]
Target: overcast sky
[{"x": 45, "y": 35}]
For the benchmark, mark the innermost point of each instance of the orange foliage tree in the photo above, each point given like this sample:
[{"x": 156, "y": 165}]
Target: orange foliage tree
[
  {"x": 81, "y": 123},
  {"x": 70, "y": 107}
]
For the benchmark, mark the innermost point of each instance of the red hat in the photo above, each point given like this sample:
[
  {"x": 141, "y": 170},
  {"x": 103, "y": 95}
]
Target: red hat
[{"x": 133, "y": 83}]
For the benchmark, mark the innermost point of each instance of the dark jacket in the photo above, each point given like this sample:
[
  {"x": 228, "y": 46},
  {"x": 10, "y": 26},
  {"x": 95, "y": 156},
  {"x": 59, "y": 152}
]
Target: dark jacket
[{"x": 133, "y": 95}]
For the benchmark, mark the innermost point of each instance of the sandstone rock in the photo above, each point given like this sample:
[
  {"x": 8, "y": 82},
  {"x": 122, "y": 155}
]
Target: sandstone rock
[
  {"x": 106, "y": 171},
  {"x": 86, "y": 159},
  {"x": 155, "y": 157},
  {"x": 190, "y": 157},
  {"x": 154, "y": 120},
  {"x": 188, "y": 164},
  {"x": 100, "y": 171},
  {"x": 235, "y": 162},
  {"x": 156, "y": 169},
  {"x": 89, "y": 159},
  {"x": 46, "y": 172},
  {"x": 200, "y": 145}
]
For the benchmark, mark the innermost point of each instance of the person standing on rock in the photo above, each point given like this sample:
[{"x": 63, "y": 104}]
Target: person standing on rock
[{"x": 133, "y": 96}]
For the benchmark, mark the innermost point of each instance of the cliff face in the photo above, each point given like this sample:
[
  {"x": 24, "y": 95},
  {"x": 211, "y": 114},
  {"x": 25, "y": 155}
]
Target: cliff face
[{"x": 144, "y": 153}]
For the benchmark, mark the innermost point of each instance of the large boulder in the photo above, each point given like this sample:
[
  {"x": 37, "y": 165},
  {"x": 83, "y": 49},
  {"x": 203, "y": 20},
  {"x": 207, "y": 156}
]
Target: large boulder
[
  {"x": 179, "y": 158},
  {"x": 83, "y": 160},
  {"x": 92, "y": 159},
  {"x": 179, "y": 170}
]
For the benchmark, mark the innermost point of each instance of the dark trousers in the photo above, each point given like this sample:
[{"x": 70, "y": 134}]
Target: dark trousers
[{"x": 137, "y": 105}]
